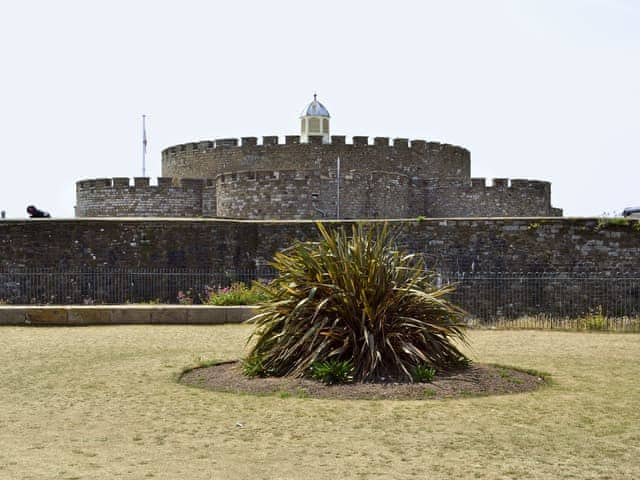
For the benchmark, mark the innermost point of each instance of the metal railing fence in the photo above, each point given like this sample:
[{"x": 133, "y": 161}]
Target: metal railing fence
[
  {"x": 494, "y": 298},
  {"x": 589, "y": 301},
  {"x": 117, "y": 286}
]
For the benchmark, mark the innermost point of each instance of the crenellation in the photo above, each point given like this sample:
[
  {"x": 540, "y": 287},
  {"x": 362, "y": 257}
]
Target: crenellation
[
  {"x": 85, "y": 184},
  {"x": 116, "y": 197},
  {"x": 531, "y": 184},
  {"x": 226, "y": 142},
  {"x": 141, "y": 182},
  {"x": 419, "y": 145},
  {"x": 500, "y": 182},
  {"x": 165, "y": 182},
  {"x": 401, "y": 143},
  {"x": 269, "y": 140},
  {"x": 121, "y": 182}
]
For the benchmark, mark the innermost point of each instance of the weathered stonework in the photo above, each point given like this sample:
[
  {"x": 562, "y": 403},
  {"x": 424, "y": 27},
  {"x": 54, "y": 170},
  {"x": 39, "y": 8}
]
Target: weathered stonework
[
  {"x": 229, "y": 178},
  {"x": 93, "y": 259},
  {"x": 115, "y": 197},
  {"x": 482, "y": 244}
]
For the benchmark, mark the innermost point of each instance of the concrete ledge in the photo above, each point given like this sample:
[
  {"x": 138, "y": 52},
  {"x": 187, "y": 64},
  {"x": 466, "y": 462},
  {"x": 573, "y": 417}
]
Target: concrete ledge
[{"x": 123, "y": 315}]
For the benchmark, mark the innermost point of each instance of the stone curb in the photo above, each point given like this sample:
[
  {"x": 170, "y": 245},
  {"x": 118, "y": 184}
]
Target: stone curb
[{"x": 123, "y": 315}]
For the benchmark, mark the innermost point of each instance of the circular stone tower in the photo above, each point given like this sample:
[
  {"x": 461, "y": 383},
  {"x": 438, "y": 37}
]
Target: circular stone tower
[{"x": 314, "y": 122}]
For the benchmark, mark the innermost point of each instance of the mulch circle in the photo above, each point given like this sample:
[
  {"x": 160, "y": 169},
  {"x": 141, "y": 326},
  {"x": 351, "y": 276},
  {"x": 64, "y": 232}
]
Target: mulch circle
[{"x": 477, "y": 380}]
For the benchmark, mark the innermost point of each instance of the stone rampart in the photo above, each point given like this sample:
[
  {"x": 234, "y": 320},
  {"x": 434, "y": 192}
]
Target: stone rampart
[
  {"x": 109, "y": 197},
  {"x": 308, "y": 194},
  {"x": 474, "y": 197},
  {"x": 242, "y": 179},
  {"x": 480, "y": 244},
  {"x": 57, "y": 261},
  {"x": 305, "y": 194},
  {"x": 265, "y": 194},
  {"x": 415, "y": 158}
]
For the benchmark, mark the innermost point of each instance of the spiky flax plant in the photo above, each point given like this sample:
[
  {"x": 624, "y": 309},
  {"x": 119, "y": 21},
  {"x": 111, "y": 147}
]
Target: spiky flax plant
[{"x": 355, "y": 298}]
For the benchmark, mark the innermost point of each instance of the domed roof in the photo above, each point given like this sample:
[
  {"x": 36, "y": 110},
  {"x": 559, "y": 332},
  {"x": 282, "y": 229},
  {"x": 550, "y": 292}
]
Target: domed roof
[{"x": 315, "y": 109}]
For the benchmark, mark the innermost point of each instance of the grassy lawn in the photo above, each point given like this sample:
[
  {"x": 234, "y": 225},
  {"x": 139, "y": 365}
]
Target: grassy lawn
[{"x": 102, "y": 402}]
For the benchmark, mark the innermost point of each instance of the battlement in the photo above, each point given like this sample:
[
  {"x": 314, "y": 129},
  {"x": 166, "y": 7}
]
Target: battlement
[
  {"x": 137, "y": 197},
  {"x": 274, "y": 140},
  {"x": 499, "y": 197},
  {"x": 481, "y": 184},
  {"x": 274, "y": 177},
  {"x": 142, "y": 183},
  {"x": 416, "y": 158}
]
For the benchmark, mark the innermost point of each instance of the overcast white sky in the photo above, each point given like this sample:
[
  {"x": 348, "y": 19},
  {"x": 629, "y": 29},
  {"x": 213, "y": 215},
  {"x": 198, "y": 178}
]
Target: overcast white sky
[{"x": 543, "y": 89}]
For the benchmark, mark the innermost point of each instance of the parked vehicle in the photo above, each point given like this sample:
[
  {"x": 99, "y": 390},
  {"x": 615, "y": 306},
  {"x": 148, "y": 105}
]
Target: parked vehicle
[{"x": 631, "y": 212}]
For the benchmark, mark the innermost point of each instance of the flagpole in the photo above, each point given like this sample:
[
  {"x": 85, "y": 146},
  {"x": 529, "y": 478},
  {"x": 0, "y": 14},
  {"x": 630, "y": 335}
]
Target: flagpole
[
  {"x": 144, "y": 145},
  {"x": 338, "y": 188}
]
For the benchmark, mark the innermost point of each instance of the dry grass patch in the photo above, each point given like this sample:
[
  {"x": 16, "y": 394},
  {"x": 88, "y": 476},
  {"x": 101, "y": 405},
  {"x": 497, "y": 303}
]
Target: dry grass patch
[{"x": 102, "y": 402}]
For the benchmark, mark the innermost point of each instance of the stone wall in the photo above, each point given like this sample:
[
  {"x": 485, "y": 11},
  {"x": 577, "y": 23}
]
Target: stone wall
[
  {"x": 496, "y": 245},
  {"x": 473, "y": 197},
  {"x": 96, "y": 256},
  {"x": 309, "y": 194},
  {"x": 240, "y": 179},
  {"x": 264, "y": 194},
  {"x": 116, "y": 197},
  {"x": 417, "y": 158}
]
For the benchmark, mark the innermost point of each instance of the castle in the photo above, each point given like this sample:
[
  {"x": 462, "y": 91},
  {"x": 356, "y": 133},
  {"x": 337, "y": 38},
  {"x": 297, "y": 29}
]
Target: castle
[{"x": 314, "y": 175}]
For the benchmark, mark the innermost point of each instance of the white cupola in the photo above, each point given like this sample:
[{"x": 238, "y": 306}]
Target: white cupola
[{"x": 314, "y": 122}]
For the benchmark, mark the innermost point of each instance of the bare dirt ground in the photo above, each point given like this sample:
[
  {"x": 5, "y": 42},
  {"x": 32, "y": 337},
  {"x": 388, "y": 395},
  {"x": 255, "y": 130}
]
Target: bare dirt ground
[
  {"x": 475, "y": 381},
  {"x": 104, "y": 403}
]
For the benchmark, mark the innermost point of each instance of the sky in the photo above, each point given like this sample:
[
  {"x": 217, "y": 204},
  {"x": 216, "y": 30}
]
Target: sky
[{"x": 540, "y": 89}]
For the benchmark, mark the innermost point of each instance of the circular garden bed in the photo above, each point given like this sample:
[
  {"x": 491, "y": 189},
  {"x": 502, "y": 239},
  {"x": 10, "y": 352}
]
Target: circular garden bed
[{"x": 477, "y": 380}]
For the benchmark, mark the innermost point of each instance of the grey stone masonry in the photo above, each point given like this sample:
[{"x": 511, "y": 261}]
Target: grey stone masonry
[
  {"x": 117, "y": 197},
  {"x": 381, "y": 178},
  {"x": 480, "y": 244}
]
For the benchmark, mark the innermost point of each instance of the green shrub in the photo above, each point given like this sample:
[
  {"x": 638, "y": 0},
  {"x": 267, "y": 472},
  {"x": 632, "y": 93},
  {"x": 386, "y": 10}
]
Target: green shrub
[
  {"x": 252, "y": 366},
  {"x": 236, "y": 294},
  {"x": 355, "y": 297},
  {"x": 332, "y": 371},
  {"x": 423, "y": 373},
  {"x": 429, "y": 392},
  {"x": 595, "y": 320}
]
